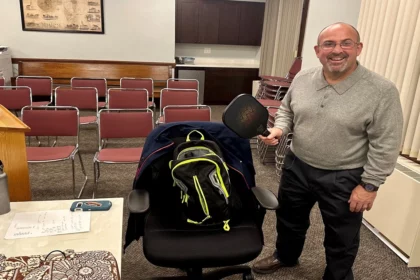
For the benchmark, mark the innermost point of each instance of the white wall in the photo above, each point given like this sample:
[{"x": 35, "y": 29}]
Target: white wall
[
  {"x": 322, "y": 13},
  {"x": 135, "y": 30}
]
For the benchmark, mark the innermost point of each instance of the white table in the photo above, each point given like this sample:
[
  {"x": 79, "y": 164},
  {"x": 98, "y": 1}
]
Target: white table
[{"x": 105, "y": 231}]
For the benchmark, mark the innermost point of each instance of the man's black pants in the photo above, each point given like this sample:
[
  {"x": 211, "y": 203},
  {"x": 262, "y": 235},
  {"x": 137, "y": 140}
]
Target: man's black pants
[{"x": 301, "y": 186}]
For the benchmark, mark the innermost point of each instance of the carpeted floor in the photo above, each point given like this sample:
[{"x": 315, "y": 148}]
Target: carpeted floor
[{"x": 53, "y": 181}]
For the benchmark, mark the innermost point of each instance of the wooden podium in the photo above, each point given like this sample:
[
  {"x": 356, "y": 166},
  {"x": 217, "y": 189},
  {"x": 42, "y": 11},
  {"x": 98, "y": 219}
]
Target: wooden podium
[{"x": 13, "y": 155}]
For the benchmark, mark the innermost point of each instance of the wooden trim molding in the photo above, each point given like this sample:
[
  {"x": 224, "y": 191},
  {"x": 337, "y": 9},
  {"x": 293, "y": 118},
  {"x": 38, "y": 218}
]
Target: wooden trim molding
[{"x": 16, "y": 60}]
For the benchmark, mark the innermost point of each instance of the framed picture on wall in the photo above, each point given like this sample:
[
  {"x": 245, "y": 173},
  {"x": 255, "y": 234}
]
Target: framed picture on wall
[{"x": 75, "y": 16}]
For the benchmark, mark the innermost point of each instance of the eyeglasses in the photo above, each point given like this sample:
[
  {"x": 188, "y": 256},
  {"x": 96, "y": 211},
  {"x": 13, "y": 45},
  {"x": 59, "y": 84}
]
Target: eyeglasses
[{"x": 345, "y": 45}]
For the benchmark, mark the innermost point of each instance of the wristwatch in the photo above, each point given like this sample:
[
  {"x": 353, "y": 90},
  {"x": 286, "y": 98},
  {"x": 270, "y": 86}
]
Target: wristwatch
[{"x": 369, "y": 187}]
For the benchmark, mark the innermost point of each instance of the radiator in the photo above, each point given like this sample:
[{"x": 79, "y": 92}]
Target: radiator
[{"x": 395, "y": 216}]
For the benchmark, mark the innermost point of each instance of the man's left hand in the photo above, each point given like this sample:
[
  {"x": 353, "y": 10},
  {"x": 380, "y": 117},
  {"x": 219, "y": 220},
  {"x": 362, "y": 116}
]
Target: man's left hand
[{"x": 361, "y": 200}]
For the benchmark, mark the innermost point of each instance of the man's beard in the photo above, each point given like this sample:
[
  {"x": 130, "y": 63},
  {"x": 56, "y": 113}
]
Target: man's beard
[{"x": 342, "y": 69}]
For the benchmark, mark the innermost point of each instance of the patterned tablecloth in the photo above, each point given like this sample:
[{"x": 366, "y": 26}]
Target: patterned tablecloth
[{"x": 57, "y": 265}]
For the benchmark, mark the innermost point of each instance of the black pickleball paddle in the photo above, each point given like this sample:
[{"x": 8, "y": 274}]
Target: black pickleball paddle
[{"x": 246, "y": 116}]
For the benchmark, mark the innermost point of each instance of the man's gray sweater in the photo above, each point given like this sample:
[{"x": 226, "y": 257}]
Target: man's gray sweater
[{"x": 355, "y": 123}]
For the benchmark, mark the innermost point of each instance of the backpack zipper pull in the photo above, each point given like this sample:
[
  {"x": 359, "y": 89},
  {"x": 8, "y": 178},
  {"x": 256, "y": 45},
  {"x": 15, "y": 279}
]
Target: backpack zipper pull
[{"x": 226, "y": 227}]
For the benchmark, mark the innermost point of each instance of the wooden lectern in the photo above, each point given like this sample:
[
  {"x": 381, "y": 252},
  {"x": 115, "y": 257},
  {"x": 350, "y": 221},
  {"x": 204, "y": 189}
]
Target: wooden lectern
[{"x": 13, "y": 155}]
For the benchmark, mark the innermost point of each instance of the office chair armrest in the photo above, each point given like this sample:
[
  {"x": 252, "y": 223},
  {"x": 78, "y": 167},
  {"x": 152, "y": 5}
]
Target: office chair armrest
[
  {"x": 266, "y": 198},
  {"x": 138, "y": 201}
]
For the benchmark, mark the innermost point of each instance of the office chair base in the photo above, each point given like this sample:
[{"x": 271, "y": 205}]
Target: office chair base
[{"x": 197, "y": 274}]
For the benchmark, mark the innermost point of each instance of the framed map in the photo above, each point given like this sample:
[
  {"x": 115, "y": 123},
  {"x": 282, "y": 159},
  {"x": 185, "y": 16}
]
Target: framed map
[{"x": 75, "y": 16}]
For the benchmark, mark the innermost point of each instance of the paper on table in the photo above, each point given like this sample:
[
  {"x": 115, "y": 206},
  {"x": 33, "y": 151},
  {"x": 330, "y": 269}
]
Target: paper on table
[{"x": 45, "y": 223}]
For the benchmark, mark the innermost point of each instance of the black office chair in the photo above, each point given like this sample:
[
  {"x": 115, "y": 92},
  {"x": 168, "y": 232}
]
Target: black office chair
[{"x": 167, "y": 243}]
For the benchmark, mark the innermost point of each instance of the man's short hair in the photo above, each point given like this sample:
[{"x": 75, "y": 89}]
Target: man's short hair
[{"x": 354, "y": 28}]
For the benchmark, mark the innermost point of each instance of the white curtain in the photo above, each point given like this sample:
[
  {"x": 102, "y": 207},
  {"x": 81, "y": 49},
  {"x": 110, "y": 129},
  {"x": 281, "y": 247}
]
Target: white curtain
[
  {"x": 390, "y": 31},
  {"x": 280, "y": 36}
]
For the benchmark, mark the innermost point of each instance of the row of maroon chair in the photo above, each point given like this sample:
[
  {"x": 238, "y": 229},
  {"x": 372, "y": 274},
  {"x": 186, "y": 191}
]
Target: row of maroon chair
[
  {"x": 43, "y": 86},
  {"x": 59, "y": 120},
  {"x": 132, "y": 93},
  {"x": 64, "y": 121}
]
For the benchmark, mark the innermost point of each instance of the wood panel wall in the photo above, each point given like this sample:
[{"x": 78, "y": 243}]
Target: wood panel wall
[{"x": 62, "y": 70}]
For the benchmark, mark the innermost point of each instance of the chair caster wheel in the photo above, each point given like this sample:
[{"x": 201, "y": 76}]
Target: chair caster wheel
[{"x": 248, "y": 276}]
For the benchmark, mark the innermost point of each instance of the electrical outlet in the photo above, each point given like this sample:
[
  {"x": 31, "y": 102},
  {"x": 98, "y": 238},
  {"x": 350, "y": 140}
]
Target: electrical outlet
[{"x": 207, "y": 50}]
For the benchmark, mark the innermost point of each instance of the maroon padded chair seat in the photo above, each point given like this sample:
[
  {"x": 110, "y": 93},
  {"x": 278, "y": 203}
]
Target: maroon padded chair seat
[
  {"x": 87, "y": 119},
  {"x": 40, "y": 103},
  {"x": 49, "y": 153},
  {"x": 277, "y": 84},
  {"x": 120, "y": 155},
  {"x": 274, "y": 78},
  {"x": 270, "y": 102}
]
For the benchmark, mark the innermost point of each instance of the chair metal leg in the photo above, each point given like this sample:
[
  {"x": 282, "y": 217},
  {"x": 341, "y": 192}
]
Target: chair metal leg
[
  {"x": 54, "y": 143},
  {"x": 99, "y": 171},
  {"x": 74, "y": 176},
  {"x": 259, "y": 145},
  {"x": 263, "y": 153},
  {"x": 95, "y": 180},
  {"x": 96, "y": 175},
  {"x": 84, "y": 173},
  {"x": 104, "y": 142}
]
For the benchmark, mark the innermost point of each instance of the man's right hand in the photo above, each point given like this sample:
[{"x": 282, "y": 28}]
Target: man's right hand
[{"x": 273, "y": 138}]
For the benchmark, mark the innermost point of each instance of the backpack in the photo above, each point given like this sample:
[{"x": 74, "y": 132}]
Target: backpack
[{"x": 201, "y": 174}]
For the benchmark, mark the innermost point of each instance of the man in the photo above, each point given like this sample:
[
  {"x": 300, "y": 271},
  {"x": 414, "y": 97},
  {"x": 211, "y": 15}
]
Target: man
[{"x": 347, "y": 128}]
